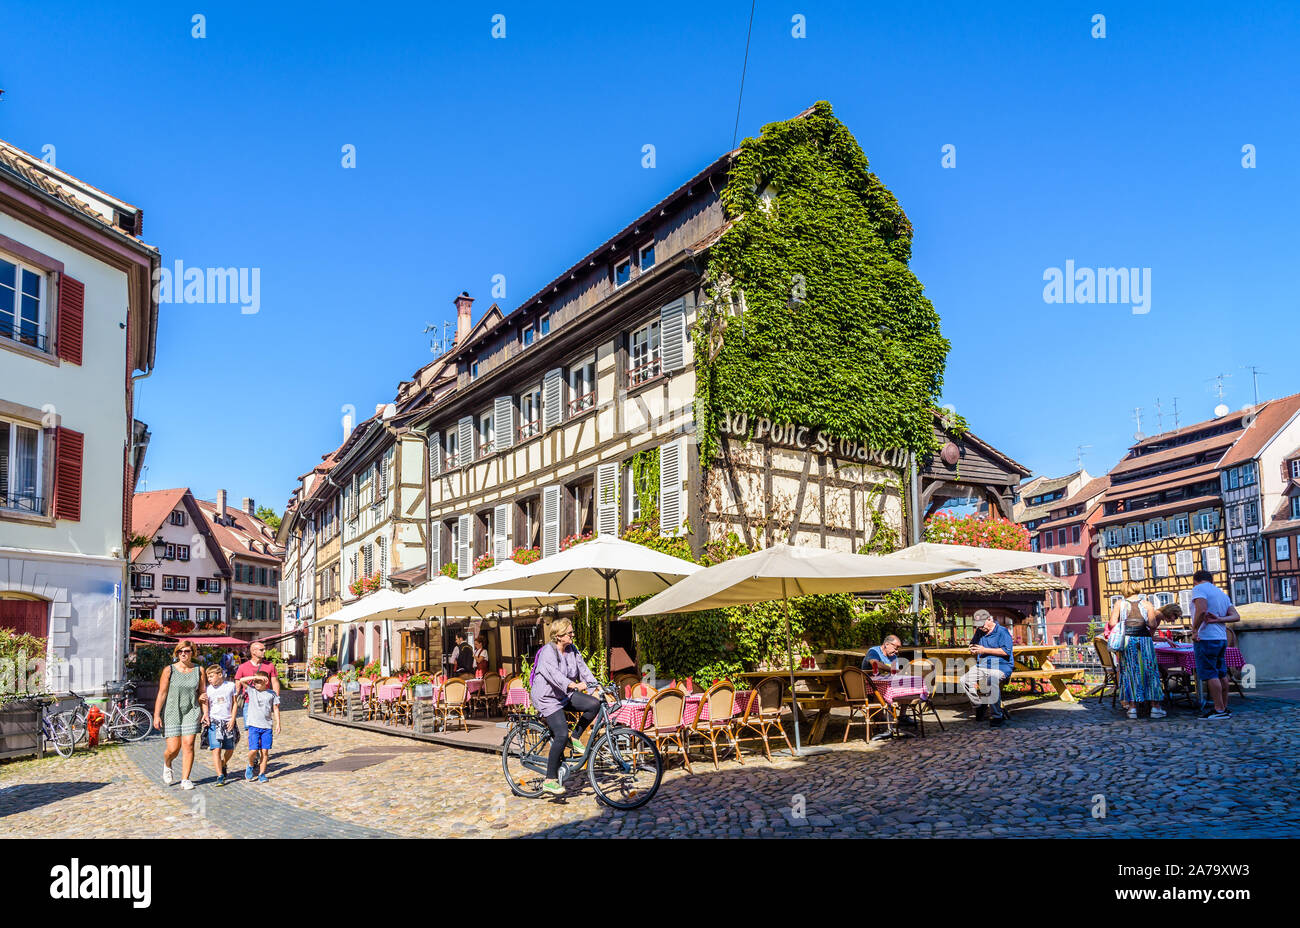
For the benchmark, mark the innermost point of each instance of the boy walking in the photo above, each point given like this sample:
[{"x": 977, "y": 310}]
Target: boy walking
[
  {"x": 263, "y": 709},
  {"x": 221, "y": 731}
]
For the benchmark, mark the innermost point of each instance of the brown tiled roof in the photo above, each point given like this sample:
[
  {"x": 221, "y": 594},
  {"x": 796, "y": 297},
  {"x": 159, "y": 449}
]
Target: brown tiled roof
[
  {"x": 1093, "y": 488},
  {"x": 46, "y": 179},
  {"x": 1047, "y": 485},
  {"x": 1204, "y": 446},
  {"x": 1268, "y": 422},
  {"x": 1161, "y": 482},
  {"x": 234, "y": 539},
  {"x": 1025, "y": 580},
  {"x": 1278, "y": 526},
  {"x": 149, "y": 510},
  {"x": 1141, "y": 515}
]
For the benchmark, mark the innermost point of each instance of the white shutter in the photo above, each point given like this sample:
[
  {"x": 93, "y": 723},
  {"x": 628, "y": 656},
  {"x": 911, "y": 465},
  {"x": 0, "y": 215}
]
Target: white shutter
[
  {"x": 435, "y": 454},
  {"x": 368, "y": 557},
  {"x": 435, "y": 549},
  {"x": 501, "y": 533},
  {"x": 465, "y": 441},
  {"x": 465, "y": 554},
  {"x": 672, "y": 335},
  {"x": 1210, "y": 559},
  {"x": 550, "y": 521},
  {"x": 382, "y": 464},
  {"x": 1185, "y": 601},
  {"x": 553, "y": 398},
  {"x": 671, "y": 468},
  {"x": 383, "y": 558},
  {"x": 1160, "y": 565},
  {"x": 355, "y": 497},
  {"x": 607, "y": 499},
  {"x": 503, "y": 418}
]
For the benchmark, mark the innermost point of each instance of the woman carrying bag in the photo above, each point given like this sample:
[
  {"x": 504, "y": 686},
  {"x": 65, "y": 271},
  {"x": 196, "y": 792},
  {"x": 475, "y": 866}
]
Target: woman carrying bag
[{"x": 1136, "y": 621}]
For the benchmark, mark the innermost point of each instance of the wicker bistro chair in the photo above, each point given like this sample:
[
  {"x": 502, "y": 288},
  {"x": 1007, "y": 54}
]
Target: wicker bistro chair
[
  {"x": 642, "y": 690},
  {"x": 763, "y": 713},
  {"x": 452, "y": 701},
  {"x": 623, "y": 680},
  {"x": 721, "y": 723},
  {"x": 337, "y": 704},
  {"x": 490, "y": 696},
  {"x": 1110, "y": 669},
  {"x": 862, "y": 699},
  {"x": 668, "y": 708}
]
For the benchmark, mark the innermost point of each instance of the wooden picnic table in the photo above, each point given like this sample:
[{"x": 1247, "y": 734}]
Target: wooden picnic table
[
  {"x": 1031, "y": 662},
  {"x": 828, "y": 695}
]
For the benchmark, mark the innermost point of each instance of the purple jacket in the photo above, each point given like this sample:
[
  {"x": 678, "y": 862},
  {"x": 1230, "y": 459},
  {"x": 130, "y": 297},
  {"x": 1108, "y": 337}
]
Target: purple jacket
[{"x": 552, "y": 675}]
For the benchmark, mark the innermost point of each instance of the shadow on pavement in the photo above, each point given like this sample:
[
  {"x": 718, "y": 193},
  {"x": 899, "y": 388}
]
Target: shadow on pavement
[{"x": 27, "y": 796}]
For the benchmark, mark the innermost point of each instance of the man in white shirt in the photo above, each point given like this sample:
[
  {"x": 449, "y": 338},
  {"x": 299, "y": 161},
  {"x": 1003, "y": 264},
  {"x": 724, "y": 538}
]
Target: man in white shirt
[{"x": 1213, "y": 611}]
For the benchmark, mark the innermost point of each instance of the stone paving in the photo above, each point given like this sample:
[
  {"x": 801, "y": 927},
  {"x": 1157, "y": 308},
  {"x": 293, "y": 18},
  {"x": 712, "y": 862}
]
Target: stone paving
[{"x": 1077, "y": 771}]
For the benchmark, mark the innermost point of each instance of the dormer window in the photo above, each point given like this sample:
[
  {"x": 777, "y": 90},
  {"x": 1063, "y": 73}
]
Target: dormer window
[
  {"x": 622, "y": 272},
  {"x": 544, "y": 325},
  {"x": 528, "y": 334},
  {"x": 646, "y": 255}
]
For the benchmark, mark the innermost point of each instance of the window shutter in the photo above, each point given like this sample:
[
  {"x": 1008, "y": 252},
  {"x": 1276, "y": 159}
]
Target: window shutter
[
  {"x": 550, "y": 521},
  {"x": 352, "y": 562},
  {"x": 503, "y": 419},
  {"x": 72, "y": 319},
  {"x": 464, "y": 556},
  {"x": 670, "y": 487},
  {"x": 381, "y": 466},
  {"x": 672, "y": 335},
  {"x": 553, "y": 398},
  {"x": 383, "y": 558},
  {"x": 501, "y": 533},
  {"x": 69, "y": 447},
  {"x": 435, "y": 454},
  {"x": 1210, "y": 558},
  {"x": 465, "y": 440},
  {"x": 355, "y": 498},
  {"x": 368, "y": 552},
  {"x": 435, "y": 549},
  {"x": 607, "y": 499}
]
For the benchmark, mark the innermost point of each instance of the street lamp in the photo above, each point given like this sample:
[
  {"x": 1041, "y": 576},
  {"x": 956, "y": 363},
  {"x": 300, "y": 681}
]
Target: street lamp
[{"x": 159, "y": 548}]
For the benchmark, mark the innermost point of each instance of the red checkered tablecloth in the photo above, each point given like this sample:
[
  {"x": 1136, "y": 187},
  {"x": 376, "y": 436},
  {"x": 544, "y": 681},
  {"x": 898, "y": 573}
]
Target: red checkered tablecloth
[
  {"x": 518, "y": 696},
  {"x": 1185, "y": 658},
  {"x": 899, "y": 686},
  {"x": 389, "y": 692},
  {"x": 632, "y": 712}
]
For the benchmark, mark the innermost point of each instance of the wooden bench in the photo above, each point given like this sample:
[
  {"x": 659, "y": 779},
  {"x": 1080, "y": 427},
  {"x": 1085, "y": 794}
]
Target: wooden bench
[{"x": 1055, "y": 677}]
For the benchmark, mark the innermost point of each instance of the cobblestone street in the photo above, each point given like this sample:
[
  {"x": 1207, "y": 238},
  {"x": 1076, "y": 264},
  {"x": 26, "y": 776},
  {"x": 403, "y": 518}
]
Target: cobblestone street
[{"x": 1048, "y": 772}]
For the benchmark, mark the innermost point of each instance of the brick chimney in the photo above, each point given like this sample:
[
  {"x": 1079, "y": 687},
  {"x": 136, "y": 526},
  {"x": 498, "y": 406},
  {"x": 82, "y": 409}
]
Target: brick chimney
[
  {"x": 464, "y": 303},
  {"x": 248, "y": 505},
  {"x": 221, "y": 503}
]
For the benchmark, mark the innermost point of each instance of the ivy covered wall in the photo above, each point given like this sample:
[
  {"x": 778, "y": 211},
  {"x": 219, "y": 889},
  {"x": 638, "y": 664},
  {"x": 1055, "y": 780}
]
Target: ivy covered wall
[{"x": 836, "y": 331}]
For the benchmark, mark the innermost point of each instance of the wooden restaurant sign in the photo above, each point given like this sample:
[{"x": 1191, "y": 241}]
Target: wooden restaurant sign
[{"x": 803, "y": 438}]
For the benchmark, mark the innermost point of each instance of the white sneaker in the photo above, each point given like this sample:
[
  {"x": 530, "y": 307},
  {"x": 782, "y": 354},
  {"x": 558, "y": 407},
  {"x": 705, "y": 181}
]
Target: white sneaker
[
  {"x": 168, "y": 777},
  {"x": 187, "y": 784},
  {"x": 1158, "y": 713},
  {"x": 1132, "y": 713}
]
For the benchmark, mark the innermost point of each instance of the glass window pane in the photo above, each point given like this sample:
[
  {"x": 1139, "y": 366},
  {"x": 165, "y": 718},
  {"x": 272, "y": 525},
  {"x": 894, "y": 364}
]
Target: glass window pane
[{"x": 31, "y": 283}]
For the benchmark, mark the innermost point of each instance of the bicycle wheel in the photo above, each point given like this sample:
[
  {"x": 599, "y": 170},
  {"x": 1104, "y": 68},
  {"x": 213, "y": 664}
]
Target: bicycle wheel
[
  {"x": 61, "y": 737},
  {"x": 76, "y": 722},
  {"x": 134, "y": 724},
  {"x": 625, "y": 768},
  {"x": 523, "y": 758}
]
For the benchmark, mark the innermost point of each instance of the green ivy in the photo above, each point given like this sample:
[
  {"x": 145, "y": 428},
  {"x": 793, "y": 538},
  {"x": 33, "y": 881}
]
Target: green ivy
[{"x": 837, "y": 333}]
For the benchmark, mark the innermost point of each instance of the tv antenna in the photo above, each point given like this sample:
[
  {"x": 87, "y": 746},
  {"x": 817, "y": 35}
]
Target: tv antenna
[
  {"x": 1175, "y": 412},
  {"x": 1160, "y": 417},
  {"x": 1218, "y": 384},
  {"x": 1137, "y": 417},
  {"x": 1079, "y": 454},
  {"x": 438, "y": 344},
  {"x": 1254, "y": 376}
]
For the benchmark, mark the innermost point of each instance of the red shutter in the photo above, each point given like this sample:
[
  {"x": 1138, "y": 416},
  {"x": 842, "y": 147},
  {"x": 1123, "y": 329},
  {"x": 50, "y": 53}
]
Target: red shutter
[
  {"x": 68, "y": 449},
  {"x": 72, "y": 317}
]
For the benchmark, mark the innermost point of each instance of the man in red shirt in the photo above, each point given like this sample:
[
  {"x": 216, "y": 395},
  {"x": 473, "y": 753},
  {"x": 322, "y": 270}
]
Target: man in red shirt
[{"x": 256, "y": 664}]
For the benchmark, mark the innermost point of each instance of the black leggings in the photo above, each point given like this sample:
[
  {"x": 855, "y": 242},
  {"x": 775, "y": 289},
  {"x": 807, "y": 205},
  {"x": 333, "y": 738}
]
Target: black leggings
[{"x": 589, "y": 706}]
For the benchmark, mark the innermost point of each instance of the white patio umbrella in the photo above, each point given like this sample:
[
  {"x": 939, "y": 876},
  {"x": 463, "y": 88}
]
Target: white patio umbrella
[
  {"x": 780, "y": 572},
  {"x": 974, "y": 561},
  {"x": 449, "y": 598},
  {"x": 606, "y": 565}
]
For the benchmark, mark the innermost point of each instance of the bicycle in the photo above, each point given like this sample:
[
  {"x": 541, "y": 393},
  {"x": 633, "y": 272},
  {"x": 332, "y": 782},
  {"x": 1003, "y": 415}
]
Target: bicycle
[
  {"x": 54, "y": 726},
  {"x": 125, "y": 720},
  {"x": 623, "y": 765}
]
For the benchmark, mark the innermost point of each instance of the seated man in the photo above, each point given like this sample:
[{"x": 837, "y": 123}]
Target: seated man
[
  {"x": 992, "y": 647},
  {"x": 883, "y": 658}
]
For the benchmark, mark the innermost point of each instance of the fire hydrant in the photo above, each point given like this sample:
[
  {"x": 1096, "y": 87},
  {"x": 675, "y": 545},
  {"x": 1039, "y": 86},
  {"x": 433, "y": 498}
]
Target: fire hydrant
[{"x": 94, "y": 720}]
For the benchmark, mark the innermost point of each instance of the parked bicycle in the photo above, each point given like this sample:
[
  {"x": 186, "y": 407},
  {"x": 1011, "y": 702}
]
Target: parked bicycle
[
  {"x": 125, "y": 719},
  {"x": 623, "y": 765},
  {"x": 54, "y": 726}
]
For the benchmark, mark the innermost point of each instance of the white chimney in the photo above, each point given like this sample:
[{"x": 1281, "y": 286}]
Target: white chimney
[
  {"x": 347, "y": 425},
  {"x": 221, "y": 503}
]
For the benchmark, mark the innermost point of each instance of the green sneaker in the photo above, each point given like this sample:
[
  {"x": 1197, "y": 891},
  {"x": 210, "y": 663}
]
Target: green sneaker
[
  {"x": 553, "y": 787},
  {"x": 578, "y": 748}
]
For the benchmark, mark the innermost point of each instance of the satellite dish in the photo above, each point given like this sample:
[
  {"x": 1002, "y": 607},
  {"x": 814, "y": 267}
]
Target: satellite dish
[{"x": 1221, "y": 410}]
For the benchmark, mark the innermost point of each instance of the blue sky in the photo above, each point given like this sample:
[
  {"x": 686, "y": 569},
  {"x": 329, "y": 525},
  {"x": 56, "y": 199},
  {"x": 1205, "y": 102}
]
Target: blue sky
[{"x": 479, "y": 156}]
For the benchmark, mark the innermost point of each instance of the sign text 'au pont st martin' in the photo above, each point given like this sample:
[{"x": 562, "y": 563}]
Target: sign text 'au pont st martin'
[{"x": 804, "y": 438}]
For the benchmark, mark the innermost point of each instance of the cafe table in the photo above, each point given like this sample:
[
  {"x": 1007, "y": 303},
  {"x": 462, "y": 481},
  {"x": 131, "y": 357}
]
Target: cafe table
[{"x": 1182, "y": 657}]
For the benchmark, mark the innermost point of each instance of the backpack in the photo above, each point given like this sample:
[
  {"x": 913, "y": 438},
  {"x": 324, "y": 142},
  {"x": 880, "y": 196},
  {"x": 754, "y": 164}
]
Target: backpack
[
  {"x": 532, "y": 671},
  {"x": 1119, "y": 634},
  {"x": 465, "y": 658}
]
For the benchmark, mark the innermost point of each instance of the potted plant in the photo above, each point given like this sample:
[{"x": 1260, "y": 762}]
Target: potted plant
[
  {"x": 483, "y": 562},
  {"x": 450, "y": 569},
  {"x": 526, "y": 555},
  {"x": 572, "y": 540}
]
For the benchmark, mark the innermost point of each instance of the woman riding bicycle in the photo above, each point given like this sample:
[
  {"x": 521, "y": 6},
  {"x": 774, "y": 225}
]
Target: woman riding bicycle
[{"x": 562, "y": 680}]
